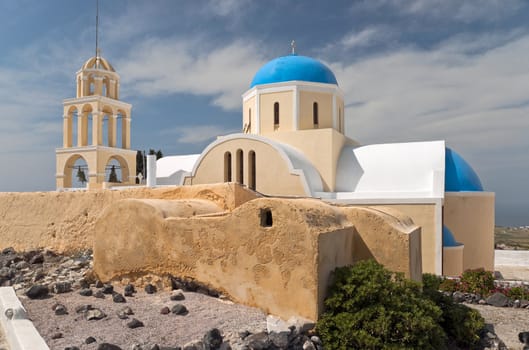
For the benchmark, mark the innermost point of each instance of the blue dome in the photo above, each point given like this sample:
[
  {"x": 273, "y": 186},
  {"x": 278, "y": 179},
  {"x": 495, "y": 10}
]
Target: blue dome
[
  {"x": 459, "y": 175},
  {"x": 448, "y": 238},
  {"x": 293, "y": 67}
]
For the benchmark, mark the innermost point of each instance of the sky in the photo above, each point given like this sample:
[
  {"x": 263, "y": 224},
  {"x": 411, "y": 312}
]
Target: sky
[{"x": 413, "y": 70}]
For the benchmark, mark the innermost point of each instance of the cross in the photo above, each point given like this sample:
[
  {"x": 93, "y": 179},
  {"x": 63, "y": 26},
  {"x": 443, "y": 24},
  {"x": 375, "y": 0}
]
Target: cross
[{"x": 293, "y": 45}]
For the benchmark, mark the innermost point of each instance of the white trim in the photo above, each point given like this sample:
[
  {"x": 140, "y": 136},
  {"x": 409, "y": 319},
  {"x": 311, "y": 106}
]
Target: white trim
[
  {"x": 290, "y": 85},
  {"x": 96, "y": 98},
  {"x": 295, "y": 109},
  {"x": 334, "y": 112},
  {"x": 470, "y": 194},
  {"x": 257, "y": 114}
]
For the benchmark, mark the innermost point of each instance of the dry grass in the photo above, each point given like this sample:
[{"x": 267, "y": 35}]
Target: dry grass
[{"x": 512, "y": 237}]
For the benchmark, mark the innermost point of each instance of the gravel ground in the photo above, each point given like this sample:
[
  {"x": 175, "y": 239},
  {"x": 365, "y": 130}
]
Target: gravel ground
[
  {"x": 505, "y": 322},
  {"x": 3, "y": 343},
  {"x": 205, "y": 313}
]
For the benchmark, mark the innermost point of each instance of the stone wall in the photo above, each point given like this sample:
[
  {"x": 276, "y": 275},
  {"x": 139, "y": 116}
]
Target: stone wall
[{"x": 273, "y": 253}]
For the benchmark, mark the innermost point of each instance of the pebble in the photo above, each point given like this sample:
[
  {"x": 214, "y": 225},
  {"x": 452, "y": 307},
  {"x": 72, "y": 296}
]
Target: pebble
[
  {"x": 108, "y": 346},
  {"x": 56, "y": 335},
  {"x": 165, "y": 310},
  {"x": 95, "y": 314},
  {"x": 60, "y": 309},
  {"x": 90, "y": 340},
  {"x": 135, "y": 323},
  {"x": 86, "y": 292},
  {"x": 150, "y": 289},
  {"x": 118, "y": 298},
  {"x": 179, "y": 309},
  {"x": 37, "y": 291},
  {"x": 177, "y": 295}
]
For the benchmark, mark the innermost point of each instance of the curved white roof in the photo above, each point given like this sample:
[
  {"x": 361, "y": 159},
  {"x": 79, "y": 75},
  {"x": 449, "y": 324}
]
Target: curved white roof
[
  {"x": 171, "y": 170},
  {"x": 414, "y": 169}
]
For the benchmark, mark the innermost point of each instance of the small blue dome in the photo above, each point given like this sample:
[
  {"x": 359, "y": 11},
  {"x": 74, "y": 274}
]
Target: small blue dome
[
  {"x": 459, "y": 175},
  {"x": 293, "y": 67},
  {"x": 448, "y": 238}
]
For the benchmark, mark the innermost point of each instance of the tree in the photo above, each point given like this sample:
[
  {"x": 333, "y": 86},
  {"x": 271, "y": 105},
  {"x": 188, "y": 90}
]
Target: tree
[{"x": 141, "y": 161}]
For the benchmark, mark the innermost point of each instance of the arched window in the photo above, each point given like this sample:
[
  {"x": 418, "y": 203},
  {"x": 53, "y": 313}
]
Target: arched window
[
  {"x": 315, "y": 119},
  {"x": 240, "y": 167},
  {"x": 251, "y": 170},
  {"x": 276, "y": 114},
  {"x": 227, "y": 167}
]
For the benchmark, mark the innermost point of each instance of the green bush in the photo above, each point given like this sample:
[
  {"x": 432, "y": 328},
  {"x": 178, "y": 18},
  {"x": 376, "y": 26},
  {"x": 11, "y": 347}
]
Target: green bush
[
  {"x": 518, "y": 292},
  {"x": 369, "y": 307},
  {"x": 477, "y": 281},
  {"x": 431, "y": 281},
  {"x": 449, "y": 285},
  {"x": 461, "y": 323}
]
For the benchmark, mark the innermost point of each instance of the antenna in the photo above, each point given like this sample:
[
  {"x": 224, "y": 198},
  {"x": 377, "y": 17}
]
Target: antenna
[{"x": 97, "y": 33}]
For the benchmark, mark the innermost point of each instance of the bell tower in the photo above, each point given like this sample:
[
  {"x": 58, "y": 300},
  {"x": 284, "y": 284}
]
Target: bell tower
[{"x": 96, "y": 128}]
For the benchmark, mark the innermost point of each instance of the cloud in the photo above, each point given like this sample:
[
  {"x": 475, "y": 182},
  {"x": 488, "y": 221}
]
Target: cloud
[
  {"x": 478, "y": 102},
  {"x": 198, "y": 134},
  {"x": 226, "y": 7},
  {"x": 450, "y": 10},
  {"x": 168, "y": 66},
  {"x": 363, "y": 38}
]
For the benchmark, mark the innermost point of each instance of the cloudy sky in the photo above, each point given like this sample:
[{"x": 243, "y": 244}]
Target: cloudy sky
[{"x": 410, "y": 71}]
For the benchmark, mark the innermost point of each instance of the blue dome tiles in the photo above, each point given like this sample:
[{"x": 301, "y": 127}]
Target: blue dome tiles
[
  {"x": 293, "y": 67},
  {"x": 448, "y": 238},
  {"x": 459, "y": 175}
]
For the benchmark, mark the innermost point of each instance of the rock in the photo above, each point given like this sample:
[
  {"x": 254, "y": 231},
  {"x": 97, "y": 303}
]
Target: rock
[
  {"x": 177, "y": 295},
  {"x": 196, "y": 345},
  {"x": 8, "y": 251},
  {"x": 258, "y": 341},
  {"x": 150, "y": 289},
  {"x": 86, "y": 292},
  {"x": 307, "y": 345},
  {"x": 37, "y": 291},
  {"x": 6, "y": 272},
  {"x": 135, "y": 323},
  {"x": 108, "y": 346},
  {"x": 212, "y": 340},
  {"x": 165, "y": 310},
  {"x": 279, "y": 339},
  {"x": 179, "y": 309},
  {"x": 524, "y": 337},
  {"x": 458, "y": 297},
  {"x": 37, "y": 259},
  {"x": 22, "y": 265},
  {"x": 517, "y": 304},
  {"x": 62, "y": 287},
  {"x": 90, "y": 340},
  {"x": 57, "y": 335},
  {"x": 498, "y": 299},
  {"x": 83, "y": 308},
  {"x": 118, "y": 298},
  {"x": 71, "y": 348},
  {"x": 99, "y": 284},
  {"x": 244, "y": 334},
  {"x": 316, "y": 340},
  {"x": 95, "y": 314},
  {"x": 127, "y": 310},
  {"x": 129, "y": 289},
  {"x": 99, "y": 294},
  {"x": 60, "y": 309},
  {"x": 275, "y": 324},
  {"x": 302, "y": 325},
  {"x": 121, "y": 315},
  {"x": 107, "y": 289}
]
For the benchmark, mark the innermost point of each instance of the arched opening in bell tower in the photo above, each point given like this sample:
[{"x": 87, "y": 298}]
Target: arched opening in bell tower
[{"x": 76, "y": 172}]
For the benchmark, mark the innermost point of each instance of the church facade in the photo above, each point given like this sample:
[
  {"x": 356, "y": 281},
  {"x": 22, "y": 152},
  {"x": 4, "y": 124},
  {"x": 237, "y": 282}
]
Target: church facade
[{"x": 293, "y": 143}]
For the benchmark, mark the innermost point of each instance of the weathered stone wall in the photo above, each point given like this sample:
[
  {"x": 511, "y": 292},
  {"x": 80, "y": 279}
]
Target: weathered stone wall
[
  {"x": 64, "y": 221},
  {"x": 282, "y": 266},
  {"x": 273, "y": 253}
]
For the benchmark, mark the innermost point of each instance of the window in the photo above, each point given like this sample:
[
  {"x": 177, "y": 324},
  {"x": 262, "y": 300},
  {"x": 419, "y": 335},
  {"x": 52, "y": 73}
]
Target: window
[
  {"x": 315, "y": 119},
  {"x": 240, "y": 167},
  {"x": 251, "y": 169},
  {"x": 276, "y": 114},
  {"x": 227, "y": 167},
  {"x": 266, "y": 217}
]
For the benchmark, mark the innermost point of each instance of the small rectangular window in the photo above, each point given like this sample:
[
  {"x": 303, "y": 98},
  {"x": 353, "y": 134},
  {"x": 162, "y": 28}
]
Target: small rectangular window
[{"x": 266, "y": 217}]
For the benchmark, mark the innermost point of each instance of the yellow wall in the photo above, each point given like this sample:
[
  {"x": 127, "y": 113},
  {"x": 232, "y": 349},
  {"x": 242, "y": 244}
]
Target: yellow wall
[
  {"x": 306, "y": 101},
  {"x": 470, "y": 217},
  {"x": 453, "y": 261},
  {"x": 273, "y": 176},
  {"x": 423, "y": 215},
  {"x": 323, "y": 150},
  {"x": 247, "y": 105},
  {"x": 286, "y": 108}
]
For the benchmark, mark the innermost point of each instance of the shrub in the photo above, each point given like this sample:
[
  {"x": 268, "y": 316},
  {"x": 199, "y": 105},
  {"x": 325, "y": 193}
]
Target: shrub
[
  {"x": 461, "y": 323},
  {"x": 449, "y": 285},
  {"x": 369, "y": 307},
  {"x": 477, "y": 281},
  {"x": 517, "y": 292},
  {"x": 431, "y": 281}
]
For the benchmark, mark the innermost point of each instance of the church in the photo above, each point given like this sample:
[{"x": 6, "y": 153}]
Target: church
[{"x": 293, "y": 144}]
